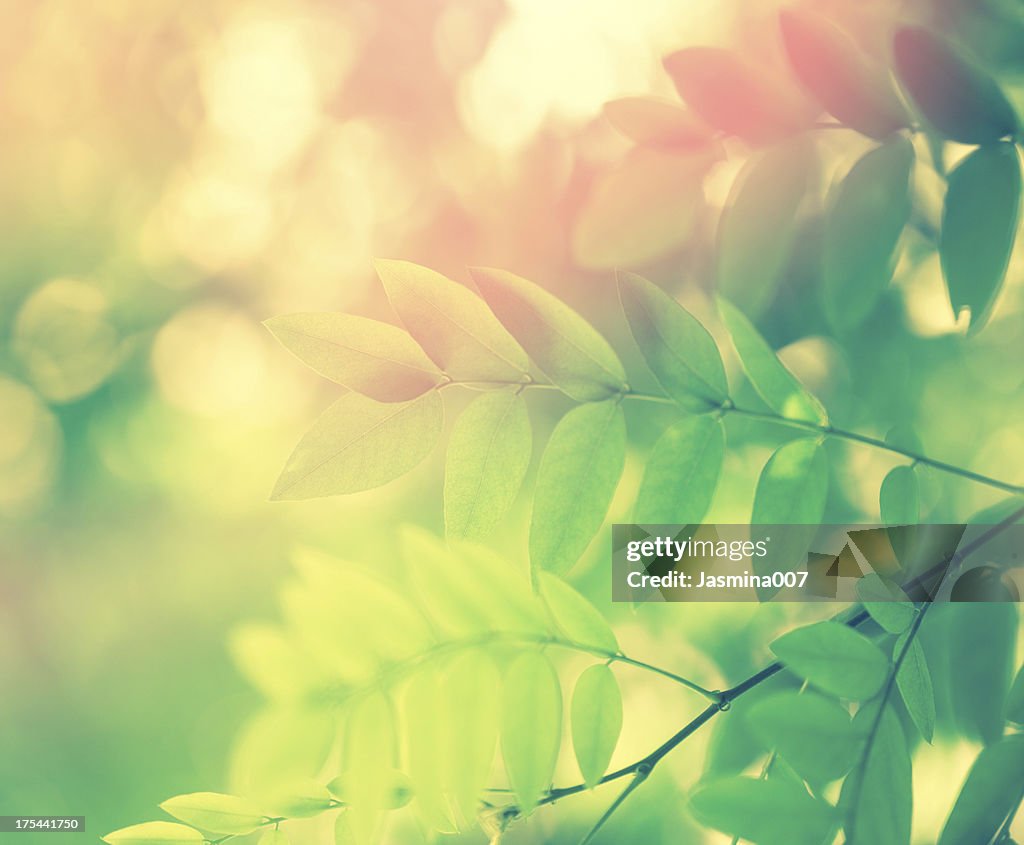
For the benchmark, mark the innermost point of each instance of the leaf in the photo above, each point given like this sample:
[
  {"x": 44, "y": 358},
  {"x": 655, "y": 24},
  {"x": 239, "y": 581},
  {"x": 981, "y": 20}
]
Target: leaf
[
  {"x": 679, "y": 350},
  {"x": 1015, "y": 700},
  {"x": 452, "y": 324},
  {"x": 982, "y": 641},
  {"x": 561, "y": 343},
  {"x": 596, "y": 721},
  {"x": 470, "y": 708},
  {"x": 776, "y": 385},
  {"x": 887, "y": 604},
  {"x": 488, "y": 455},
  {"x": 979, "y": 226},
  {"x": 898, "y": 497},
  {"x": 990, "y": 793},
  {"x": 643, "y": 209},
  {"x": 839, "y": 76},
  {"x": 215, "y": 812},
  {"x": 585, "y": 455},
  {"x": 577, "y": 619},
  {"x": 915, "y": 685},
  {"x": 733, "y": 95},
  {"x": 398, "y": 794},
  {"x": 274, "y": 836},
  {"x": 301, "y": 799},
  {"x": 862, "y": 230},
  {"x": 657, "y": 123},
  {"x": 810, "y": 732},
  {"x": 531, "y": 728},
  {"x": 834, "y": 658},
  {"x": 879, "y": 798},
  {"x": 358, "y": 444},
  {"x": 793, "y": 485},
  {"x": 758, "y": 226},
  {"x": 423, "y": 719},
  {"x": 956, "y": 96},
  {"x": 369, "y": 357},
  {"x": 370, "y": 755},
  {"x": 764, "y": 812},
  {"x": 155, "y": 833},
  {"x": 468, "y": 589},
  {"x": 682, "y": 473}
]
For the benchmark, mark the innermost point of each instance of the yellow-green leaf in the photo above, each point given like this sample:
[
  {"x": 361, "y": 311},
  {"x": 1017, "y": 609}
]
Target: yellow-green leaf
[
  {"x": 398, "y": 794},
  {"x": 373, "y": 358},
  {"x": 300, "y": 799},
  {"x": 155, "y": 833},
  {"x": 423, "y": 718},
  {"x": 887, "y": 604},
  {"x": 845, "y": 82},
  {"x": 657, "y": 123},
  {"x": 596, "y": 721},
  {"x": 989, "y": 794},
  {"x": 915, "y": 685},
  {"x": 774, "y": 383},
  {"x": 958, "y": 98},
  {"x": 531, "y": 726},
  {"x": 215, "y": 812},
  {"x": 561, "y": 343},
  {"x": 370, "y": 756},
  {"x": 585, "y": 455},
  {"x": 878, "y": 797},
  {"x": 358, "y": 444},
  {"x": 575, "y": 617},
  {"x": 274, "y": 836},
  {"x": 682, "y": 473},
  {"x": 834, "y": 658},
  {"x": 452, "y": 324},
  {"x": 758, "y": 226},
  {"x": 898, "y": 497},
  {"x": 644, "y": 208},
  {"x": 793, "y": 486},
  {"x": 488, "y": 455},
  {"x": 979, "y": 227},
  {"x": 862, "y": 229},
  {"x": 679, "y": 350}
]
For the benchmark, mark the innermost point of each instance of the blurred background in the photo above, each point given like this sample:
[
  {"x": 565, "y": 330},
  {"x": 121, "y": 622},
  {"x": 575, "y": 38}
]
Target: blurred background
[{"x": 173, "y": 174}]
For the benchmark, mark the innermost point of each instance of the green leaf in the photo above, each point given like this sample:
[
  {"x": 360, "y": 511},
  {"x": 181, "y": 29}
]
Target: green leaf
[
  {"x": 215, "y": 812},
  {"x": 274, "y": 836},
  {"x": 982, "y": 642},
  {"x": 423, "y": 718},
  {"x": 399, "y": 792},
  {"x": 793, "y": 485},
  {"x": 957, "y": 97},
  {"x": 898, "y": 497},
  {"x": 596, "y": 721},
  {"x": 810, "y": 732},
  {"x": 155, "y": 833},
  {"x": 452, "y": 324},
  {"x": 1015, "y": 700},
  {"x": 488, "y": 455},
  {"x": 279, "y": 746},
  {"x": 531, "y": 726},
  {"x": 682, "y": 473},
  {"x": 979, "y": 226},
  {"x": 471, "y": 712},
  {"x": 561, "y": 343},
  {"x": 758, "y": 226},
  {"x": 575, "y": 617},
  {"x": 358, "y": 444},
  {"x": 370, "y": 755},
  {"x": 887, "y": 604},
  {"x": 862, "y": 230},
  {"x": 776, "y": 385},
  {"x": 653, "y": 122},
  {"x": 679, "y": 350},
  {"x": 845, "y": 82},
  {"x": 733, "y": 95},
  {"x": 467, "y": 589},
  {"x": 764, "y": 812},
  {"x": 990, "y": 793},
  {"x": 585, "y": 455},
  {"x": 879, "y": 797},
  {"x": 915, "y": 685},
  {"x": 369, "y": 357},
  {"x": 643, "y": 209},
  {"x": 834, "y": 658},
  {"x": 302, "y": 799}
]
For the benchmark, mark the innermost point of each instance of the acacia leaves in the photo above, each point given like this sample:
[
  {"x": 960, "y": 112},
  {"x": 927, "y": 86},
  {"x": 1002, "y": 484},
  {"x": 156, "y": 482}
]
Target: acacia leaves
[
  {"x": 585, "y": 455},
  {"x": 596, "y": 721},
  {"x": 834, "y": 658},
  {"x": 358, "y": 444},
  {"x": 488, "y": 455},
  {"x": 215, "y": 812},
  {"x": 979, "y": 226},
  {"x": 991, "y": 792},
  {"x": 531, "y": 726},
  {"x": 155, "y": 833}
]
